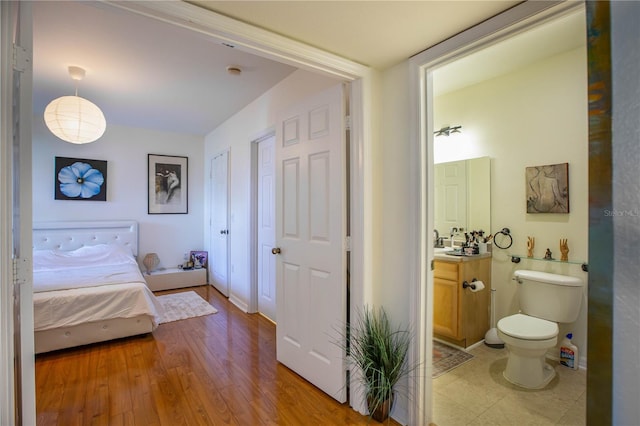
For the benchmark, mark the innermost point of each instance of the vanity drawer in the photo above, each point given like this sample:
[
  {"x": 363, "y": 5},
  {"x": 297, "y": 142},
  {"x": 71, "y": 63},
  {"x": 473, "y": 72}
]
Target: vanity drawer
[{"x": 446, "y": 270}]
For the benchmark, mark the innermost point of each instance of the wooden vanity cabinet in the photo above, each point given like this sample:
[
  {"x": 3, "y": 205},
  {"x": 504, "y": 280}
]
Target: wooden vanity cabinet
[{"x": 461, "y": 316}]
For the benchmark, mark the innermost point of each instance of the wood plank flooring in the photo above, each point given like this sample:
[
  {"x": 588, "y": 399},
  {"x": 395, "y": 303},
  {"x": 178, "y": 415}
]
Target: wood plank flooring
[{"x": 218, "y": 369}]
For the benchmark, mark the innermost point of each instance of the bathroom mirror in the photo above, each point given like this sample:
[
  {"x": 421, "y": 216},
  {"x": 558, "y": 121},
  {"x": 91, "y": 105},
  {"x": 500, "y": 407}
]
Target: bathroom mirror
[{"x": 462, "y": 196}]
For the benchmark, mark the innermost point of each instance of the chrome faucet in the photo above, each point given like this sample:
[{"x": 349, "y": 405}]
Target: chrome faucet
[
  {"x": 454, "y": 232},
  {"x": 436, "y": 238}
]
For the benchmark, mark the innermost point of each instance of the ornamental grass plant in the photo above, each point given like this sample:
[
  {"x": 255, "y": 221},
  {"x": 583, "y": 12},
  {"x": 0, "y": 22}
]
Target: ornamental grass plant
[{"x": 380, "y": 353}]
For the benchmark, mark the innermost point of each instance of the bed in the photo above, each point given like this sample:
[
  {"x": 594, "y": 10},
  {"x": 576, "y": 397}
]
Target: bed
[{"x": 87, "y": 285}]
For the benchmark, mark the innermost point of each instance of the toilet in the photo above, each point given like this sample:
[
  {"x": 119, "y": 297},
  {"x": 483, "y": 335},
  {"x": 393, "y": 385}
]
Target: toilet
[{"x": 545, "y": 300}]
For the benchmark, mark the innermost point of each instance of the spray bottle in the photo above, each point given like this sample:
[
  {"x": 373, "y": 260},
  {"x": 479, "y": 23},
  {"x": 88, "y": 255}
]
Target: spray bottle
[{"x": 569, "y": 353}]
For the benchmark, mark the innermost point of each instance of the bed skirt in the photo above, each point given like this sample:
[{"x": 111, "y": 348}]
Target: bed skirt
[{"x": 91, "y": 332}]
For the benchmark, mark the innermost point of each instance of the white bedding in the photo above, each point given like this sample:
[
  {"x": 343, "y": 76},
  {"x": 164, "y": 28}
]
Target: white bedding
[{"x": 89, "y": 284}]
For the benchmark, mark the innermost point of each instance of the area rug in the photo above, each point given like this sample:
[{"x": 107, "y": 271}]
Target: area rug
[
  {"x": 446, "y": 358},
  {"x": 179, "y": 306}
]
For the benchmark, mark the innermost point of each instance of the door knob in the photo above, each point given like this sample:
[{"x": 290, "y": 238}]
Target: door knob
[{"x": 275, "y": 250}]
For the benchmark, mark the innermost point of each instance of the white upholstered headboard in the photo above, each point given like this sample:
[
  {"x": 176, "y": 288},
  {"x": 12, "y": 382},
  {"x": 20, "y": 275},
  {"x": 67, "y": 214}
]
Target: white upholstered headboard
[{"x": 72, "y": 235}]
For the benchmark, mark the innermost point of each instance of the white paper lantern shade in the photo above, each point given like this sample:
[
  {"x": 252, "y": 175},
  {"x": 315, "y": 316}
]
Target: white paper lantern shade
[{"x": 75, "y": 119}]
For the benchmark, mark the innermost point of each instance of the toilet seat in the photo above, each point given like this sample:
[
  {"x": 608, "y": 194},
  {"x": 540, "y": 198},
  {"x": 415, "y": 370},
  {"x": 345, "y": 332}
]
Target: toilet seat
[{"x": 524, "y": 327}]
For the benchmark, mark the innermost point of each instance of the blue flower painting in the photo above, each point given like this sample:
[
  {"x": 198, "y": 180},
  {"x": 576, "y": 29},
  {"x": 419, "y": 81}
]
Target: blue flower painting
[{"x": 80, "y": 179}]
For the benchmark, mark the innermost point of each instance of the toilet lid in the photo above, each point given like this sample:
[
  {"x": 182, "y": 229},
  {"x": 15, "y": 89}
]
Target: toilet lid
[{"x": 525, "y": 327}]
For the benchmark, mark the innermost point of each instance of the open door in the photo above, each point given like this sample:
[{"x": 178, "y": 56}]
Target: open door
[
  {"x": 310, "y": 238},
  {"x": 266, "y": 227},
  {"x": 218, "y": 259},
  {"x": 17, "y": 368}
]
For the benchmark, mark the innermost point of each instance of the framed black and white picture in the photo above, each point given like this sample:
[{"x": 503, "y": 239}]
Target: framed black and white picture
[
  {"x": 167, "y": 184},
  {"x": 80, "y": 179}
]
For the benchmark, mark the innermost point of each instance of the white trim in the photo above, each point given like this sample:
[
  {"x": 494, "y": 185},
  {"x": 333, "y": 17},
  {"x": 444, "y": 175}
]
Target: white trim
[
  {"x": 7, "y": 394},
  {"x": 247, "y": 37},
  {"x": 16, "y": 222},
  {"x": 500, "y": 27},
  {"x": 239, "y": 303},
  {"x": 361, "y": 209},
  {"x": 253, "y": 207}
]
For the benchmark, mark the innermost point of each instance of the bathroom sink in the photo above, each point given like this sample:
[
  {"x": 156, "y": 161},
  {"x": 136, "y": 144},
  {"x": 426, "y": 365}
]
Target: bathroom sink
[{"x": 442, "y": 250}]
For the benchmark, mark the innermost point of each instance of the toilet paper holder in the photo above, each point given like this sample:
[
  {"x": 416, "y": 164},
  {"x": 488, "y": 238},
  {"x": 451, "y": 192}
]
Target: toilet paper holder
[{"x": 465, "y": 284}]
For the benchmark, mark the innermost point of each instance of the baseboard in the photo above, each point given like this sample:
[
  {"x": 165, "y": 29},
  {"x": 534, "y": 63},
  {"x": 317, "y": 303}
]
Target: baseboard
[
  {"x": 553, "y": 355},
  {"x": 475, "y": 345},
  {"x": 449, "y": 343},
  {"x": 239, "y": 303}
]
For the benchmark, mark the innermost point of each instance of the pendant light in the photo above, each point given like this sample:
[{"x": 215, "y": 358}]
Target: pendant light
[{"x": 74, "y": 119}]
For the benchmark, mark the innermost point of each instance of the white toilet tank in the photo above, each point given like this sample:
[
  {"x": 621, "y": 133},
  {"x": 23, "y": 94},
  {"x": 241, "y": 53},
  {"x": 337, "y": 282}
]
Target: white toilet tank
[{"x": 549, "y": 296}]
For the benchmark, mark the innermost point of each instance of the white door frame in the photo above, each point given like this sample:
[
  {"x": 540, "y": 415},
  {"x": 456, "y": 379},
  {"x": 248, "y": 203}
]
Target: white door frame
[
  {"x": 253, "y": 237},
  {"x": 273, "y": 46},
  {"x": 500, "y": 27},
  {"x": 17, "y": 388}
]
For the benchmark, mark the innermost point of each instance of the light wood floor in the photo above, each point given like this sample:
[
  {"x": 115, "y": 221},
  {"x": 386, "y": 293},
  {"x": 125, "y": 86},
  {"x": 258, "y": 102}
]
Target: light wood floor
[{"x": 214, "y": 370}]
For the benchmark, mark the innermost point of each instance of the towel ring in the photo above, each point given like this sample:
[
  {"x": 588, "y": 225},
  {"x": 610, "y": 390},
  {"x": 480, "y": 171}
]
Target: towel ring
[{"x": 503, "y": 239}]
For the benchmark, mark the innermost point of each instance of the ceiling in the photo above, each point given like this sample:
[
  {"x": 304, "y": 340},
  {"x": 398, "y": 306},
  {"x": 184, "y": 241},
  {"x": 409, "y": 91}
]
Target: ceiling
[
  {"x": 378, "y": 34},
  {"x": 149, "y": 74}
]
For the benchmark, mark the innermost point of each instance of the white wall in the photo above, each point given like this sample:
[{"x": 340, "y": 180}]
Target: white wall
[
  {"x": 125, "y": 149},
  {"x": 391, "y": 175},
  {"x": 626, "y": 202},
  {"x": 236, "y": 135},
  {"x": 531, "y": 117}
]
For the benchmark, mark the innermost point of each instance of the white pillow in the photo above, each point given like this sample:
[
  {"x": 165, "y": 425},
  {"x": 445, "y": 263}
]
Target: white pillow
[{"x": 97, "y": 255}]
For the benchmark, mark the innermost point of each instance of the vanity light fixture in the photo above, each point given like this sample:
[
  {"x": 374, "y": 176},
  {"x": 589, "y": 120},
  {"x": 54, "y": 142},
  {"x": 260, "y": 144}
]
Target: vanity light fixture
[
  {"x": 74, "y": 119},
  {"x": 447, "y": 130}
]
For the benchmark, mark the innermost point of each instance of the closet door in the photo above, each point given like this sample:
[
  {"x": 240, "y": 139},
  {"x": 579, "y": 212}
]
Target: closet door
[
  {"x": 266, "y": 222},
  {"x": 219, "y": 256}
]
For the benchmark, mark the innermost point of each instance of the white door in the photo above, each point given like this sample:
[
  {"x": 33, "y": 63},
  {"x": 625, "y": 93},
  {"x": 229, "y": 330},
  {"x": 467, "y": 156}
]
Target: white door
[
  {"x": 218, "y": 258},
  {"x": 450, "y": 196},
  {"x": 266, "y": 228},
  {"x": 310, "y": 212}
]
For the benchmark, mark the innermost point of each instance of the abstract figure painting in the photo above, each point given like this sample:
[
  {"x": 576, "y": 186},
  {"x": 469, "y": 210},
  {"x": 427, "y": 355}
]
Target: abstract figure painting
[
  {"x": 167, "y": 184},
  {"x": 548, "y": 188},
  {"x": 80, "y": 179}
]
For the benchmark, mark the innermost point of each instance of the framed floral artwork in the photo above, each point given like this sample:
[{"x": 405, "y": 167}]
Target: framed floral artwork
[
  {"x": 167, "y": 184},
  {"x": 80, "y": 179}
]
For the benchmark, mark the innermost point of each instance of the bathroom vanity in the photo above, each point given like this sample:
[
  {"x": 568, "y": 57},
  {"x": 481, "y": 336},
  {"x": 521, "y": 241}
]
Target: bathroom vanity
[{"x": 461, "y": 316}]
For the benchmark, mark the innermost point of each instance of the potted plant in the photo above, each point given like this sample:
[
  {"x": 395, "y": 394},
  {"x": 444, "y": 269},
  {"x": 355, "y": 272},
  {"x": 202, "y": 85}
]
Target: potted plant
[{"x": 380, "y": 353}]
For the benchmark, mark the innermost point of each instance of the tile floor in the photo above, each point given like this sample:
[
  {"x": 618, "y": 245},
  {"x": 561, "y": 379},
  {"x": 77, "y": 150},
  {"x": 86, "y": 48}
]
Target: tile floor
[{"x": 476, "y": 393}]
